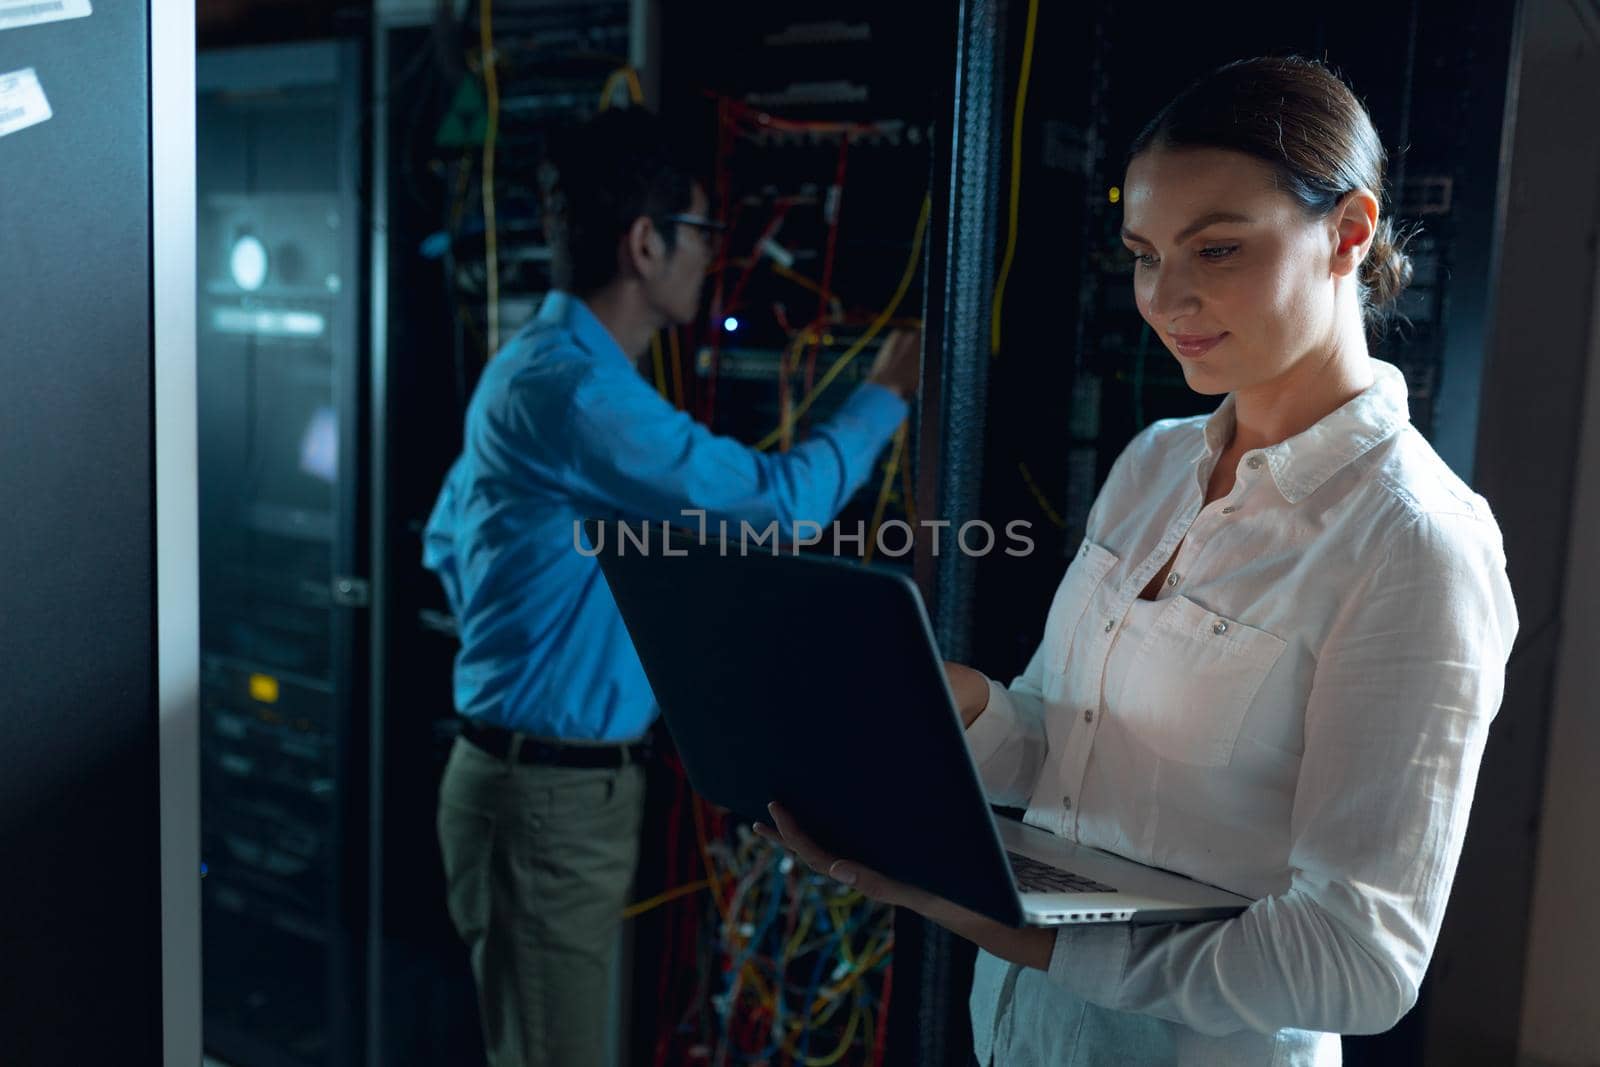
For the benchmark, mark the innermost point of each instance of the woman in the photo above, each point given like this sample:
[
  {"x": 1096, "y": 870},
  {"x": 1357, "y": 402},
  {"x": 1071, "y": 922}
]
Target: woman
[{"x": 1272, "y": 664}]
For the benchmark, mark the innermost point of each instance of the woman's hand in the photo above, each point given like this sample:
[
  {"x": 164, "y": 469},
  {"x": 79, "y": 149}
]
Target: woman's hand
[
  {"x": 868, "y": 883},
  {"x": 1029, "y": 946},
  {"x": 971, "y": 690}
]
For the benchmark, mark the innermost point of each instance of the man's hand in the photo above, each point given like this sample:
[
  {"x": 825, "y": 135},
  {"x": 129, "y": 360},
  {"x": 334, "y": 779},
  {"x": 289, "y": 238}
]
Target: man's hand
[
  {"x": 971, "y": 691},
  {"x": 898, "y": 366}
]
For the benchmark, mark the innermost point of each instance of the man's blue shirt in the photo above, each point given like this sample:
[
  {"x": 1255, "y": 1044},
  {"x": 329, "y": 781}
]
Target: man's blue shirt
[{"x": 562, "y": 428}]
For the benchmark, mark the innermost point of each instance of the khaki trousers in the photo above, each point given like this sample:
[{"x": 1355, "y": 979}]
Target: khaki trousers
[{"x": 539, "y": 862}]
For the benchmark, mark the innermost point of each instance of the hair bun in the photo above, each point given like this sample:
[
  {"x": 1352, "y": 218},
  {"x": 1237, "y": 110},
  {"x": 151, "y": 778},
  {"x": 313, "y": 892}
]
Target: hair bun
[{"x": 1387, "y": 270}]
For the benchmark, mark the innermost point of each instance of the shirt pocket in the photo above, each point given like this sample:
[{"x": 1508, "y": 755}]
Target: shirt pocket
[
  {"x": 1192, "y": 681},
  {"x": 1073, "y": 597}
]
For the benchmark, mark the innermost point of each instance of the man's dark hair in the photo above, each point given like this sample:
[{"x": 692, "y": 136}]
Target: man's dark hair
[{"x": 610, "y": 170}]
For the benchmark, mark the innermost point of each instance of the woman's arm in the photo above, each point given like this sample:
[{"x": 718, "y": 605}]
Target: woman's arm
[
  {"x": 971, "y": 690},
  {"x": 1005, "y": 728},
  {"x": 1405, "y": 688}
]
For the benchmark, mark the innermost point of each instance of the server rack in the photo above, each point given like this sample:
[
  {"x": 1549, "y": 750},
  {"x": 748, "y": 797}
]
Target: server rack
[{"x": 281, "y": 447}]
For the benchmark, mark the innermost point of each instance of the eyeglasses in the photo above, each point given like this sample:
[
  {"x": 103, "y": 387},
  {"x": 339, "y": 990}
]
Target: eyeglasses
[{"x": 699, "y": 222}]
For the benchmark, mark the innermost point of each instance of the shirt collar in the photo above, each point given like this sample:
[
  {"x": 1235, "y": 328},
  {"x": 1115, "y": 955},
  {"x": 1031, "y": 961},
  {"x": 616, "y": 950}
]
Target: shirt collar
[
  {"x": 564, "y": 311},
  {"x": 1300, "y": 464}
]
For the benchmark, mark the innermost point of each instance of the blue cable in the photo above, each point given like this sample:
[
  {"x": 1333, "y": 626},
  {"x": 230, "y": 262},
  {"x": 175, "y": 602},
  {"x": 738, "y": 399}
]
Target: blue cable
[
  {"x": 816, "y": 977},
  {"x": 756, "y": 938}
]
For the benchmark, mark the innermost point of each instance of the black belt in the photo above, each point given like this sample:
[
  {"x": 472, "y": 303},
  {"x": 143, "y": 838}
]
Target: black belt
[{"x": 499, "y": 743}]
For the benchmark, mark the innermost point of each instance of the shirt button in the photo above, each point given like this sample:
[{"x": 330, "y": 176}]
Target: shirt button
[
  {"x": 1088, "y": 715},
  {"x": 1066, "y": 803},
  {"x": 1254, "y": 463},
  {"x": 1172, "y": 579},
  {"x": 1229, "y": 510},
  {"x": 1220, "y": 628},
  {"x": 1085, "y": 551},
  {"x": 1111, "y": 624}
]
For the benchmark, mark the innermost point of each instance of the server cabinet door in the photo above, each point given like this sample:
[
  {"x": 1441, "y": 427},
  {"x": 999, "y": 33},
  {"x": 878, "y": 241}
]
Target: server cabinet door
[{"x": 283, "y": 742}]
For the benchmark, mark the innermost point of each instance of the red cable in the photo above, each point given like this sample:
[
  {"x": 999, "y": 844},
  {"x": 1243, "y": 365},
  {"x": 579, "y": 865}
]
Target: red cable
[
  {"x": 738, "y": 109},
  {"x": 729, "y": 113},
  {"x": 780, "y": 209},
  {"x": 792, "y": 887},
  {"x": 752, "y": 1042},
  {"x": 883, "y": 1016},
  {"x": 783, "y": 319},
  {"x": 690, "y": 930},
  {"x": 827, "y": 262}
]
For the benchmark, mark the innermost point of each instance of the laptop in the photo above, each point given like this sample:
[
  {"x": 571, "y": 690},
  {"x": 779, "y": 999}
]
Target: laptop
[{"x": 816, "y": 683}]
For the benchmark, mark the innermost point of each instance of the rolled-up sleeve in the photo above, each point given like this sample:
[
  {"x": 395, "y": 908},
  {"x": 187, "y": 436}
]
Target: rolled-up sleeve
[{"x": 1406, "y": 685}]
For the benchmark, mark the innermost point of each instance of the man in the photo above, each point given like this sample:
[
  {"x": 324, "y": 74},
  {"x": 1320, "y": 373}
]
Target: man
[{"x": 541, "y": 803}]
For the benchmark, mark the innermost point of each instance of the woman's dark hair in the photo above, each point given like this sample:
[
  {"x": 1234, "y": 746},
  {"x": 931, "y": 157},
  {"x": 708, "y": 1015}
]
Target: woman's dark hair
[
  {"x": 604, "y": 173},
  {"x": 1297, "y": 116}
]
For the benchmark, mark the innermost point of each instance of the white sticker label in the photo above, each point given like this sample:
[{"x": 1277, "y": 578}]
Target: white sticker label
[
  {"x": 22, "y": 102},
  {"x": 15, "y": 13}
]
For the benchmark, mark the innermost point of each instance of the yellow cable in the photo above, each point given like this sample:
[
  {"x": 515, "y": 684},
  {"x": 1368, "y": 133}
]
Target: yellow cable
[
  {"x": 624, "y": 73},
  {"x": 846, "y": 1043},
  {"x": 633, "y": 911},
  {"x": 844, "y": 951},
  {"x": 827, "y": 1004},
  {"x": 491, "y": 253},
  {"x": 909, "y": 494},
  {"x": 788, "y": 364},
  {"x": 1016, "y": 177},
  {"x": 872, "y": 331},
  {"x": 1040, "y": 499},
  {"x": 854, "y": 976},
  {"x": 786, "y": 442},
  {"x": 677, "y": 367},
  {"x": 660, "y": 367},
  {"x": 607, "y": 89},
  {"x": 799, "y": 279},
  {"x": 800, "y": 933},
  {"x": 889, "y": 470},
  {"x": 1012, "y": 227},
  {"x": 791, "y": 1040},
  {"x": 705, "y": 855},
  {"x": 758, "y": 985},
  {"x": 797, "y": 347},
  {"x": 839, "y": 912}
]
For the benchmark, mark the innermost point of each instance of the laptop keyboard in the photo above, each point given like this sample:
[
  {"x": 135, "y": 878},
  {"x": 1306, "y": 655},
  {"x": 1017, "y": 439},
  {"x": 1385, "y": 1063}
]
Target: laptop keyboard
[{"x": 1036, "y": 877}]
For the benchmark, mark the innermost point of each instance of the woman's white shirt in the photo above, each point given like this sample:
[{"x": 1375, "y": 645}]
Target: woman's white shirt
[{"x": 1297, "y": 717}]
